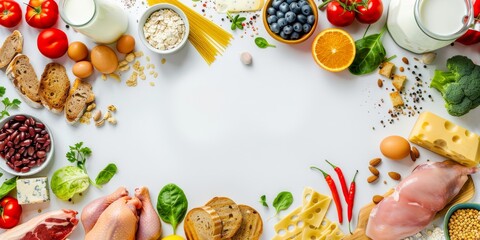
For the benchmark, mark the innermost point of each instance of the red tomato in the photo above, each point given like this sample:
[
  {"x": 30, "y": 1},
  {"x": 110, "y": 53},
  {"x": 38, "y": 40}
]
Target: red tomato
[
  {"x": 52, "y": 43},
  {"x": 10, "y": 212},
  {"x": 369, "y": 11},
  {"x": 42, "y": 13},
  {"x": 338, "y": 15},
  {"x": 10, "y": 13}
]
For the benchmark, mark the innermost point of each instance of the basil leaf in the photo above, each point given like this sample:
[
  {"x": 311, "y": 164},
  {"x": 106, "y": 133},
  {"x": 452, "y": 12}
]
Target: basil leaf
[
  {"x": 8, "y": 186},
  {"x": 172, "y": 205},
  {"x": 68, "y": 181},
  {"x": 263, "y": 201},
  {"x": 370, "y": 53},
  {"x": 106, "y": 174},
  {"x": 282, "y": 201}
]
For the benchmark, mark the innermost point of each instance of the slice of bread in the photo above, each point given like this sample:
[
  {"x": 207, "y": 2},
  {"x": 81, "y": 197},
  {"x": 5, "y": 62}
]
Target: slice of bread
[
  {"x": 54, "y": 87},
  {"x": 23, "y": 76},
  {"x": 203, "y": 223},
  {"x": 80, "y": 96},
  {"x": 12, "y": 45},
  {"x": 230, "y": 214},
  {"x": 252, "y": 224}
]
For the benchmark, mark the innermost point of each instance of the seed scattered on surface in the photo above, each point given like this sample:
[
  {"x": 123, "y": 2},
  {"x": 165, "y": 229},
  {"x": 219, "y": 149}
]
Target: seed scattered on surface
[
  {"x": 377, "y": 198},
  {"x": 405, "y": 60},
  {"x": 395, "y": 176},
  {"x": 373, "y": 170},
  {"x": 380, "y": 83},
  {"x": 372, "y": 179},
  {"x": 374, "y": 162}
]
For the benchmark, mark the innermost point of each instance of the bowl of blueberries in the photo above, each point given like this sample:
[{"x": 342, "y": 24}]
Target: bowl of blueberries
[{"x": 290, "y": 21}]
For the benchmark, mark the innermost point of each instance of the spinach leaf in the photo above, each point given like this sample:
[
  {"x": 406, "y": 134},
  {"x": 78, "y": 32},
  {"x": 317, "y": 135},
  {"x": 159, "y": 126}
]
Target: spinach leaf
[
  {"x": 172, "y": 205},
  {"x": 69, "y": 180},
  {"x": 8, "y": 186},
  {"x": 263, "y": 43},
  {"x": 370, "y": 53},
  {"x": 282, "y": 201},
  {"x": 263, "y": 201},
  {"x": 106, "y": 174}
]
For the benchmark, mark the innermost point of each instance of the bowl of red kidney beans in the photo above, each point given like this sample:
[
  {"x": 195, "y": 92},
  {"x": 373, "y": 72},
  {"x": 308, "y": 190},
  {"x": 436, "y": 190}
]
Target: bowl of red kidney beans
[{"x": 26, "y": 145}]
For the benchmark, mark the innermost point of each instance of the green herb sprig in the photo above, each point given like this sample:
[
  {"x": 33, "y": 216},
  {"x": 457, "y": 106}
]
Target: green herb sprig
[
  {"x": 263, "y": 43},
  {"x": 237, "y": 21},
  {"x": 263, "y": 201},
  {"x": 7, "y": 104}
]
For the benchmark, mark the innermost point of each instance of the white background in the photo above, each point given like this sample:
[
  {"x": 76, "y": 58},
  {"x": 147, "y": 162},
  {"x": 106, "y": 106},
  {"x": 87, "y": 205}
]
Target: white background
[{"x": 234, "y": 130}]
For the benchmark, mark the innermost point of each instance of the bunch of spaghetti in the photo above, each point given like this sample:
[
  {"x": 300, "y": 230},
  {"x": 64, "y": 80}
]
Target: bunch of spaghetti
[{"x": 208, "y": 38}]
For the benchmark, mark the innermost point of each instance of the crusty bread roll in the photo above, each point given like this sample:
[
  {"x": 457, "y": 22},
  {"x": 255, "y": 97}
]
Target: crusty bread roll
[{"x": 203, "y": 223}]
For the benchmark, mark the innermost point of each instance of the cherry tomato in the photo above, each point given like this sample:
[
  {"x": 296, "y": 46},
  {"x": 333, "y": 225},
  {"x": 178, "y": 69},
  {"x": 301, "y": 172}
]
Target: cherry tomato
[
  {"x": 42, "y": 13},
  {"x": 10, "y": 212},
  {"x": 52, "y": 43},
  {"x": 10, "y": 13},
  {"x": 338, "y": 15},
  {"x": 369, "y": 11}
]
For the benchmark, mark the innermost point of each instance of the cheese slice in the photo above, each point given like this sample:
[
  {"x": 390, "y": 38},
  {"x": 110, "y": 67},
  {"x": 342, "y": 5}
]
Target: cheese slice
[
  {"x": 223, "y": 6},
  {"x": 327, "y": 231},
  {"x": 447, "y": 139}
]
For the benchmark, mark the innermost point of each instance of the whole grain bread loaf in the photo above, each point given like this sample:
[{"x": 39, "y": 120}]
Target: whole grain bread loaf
[
  {"x": 229, "y": 213},
  {"x": 80, "y": 96},
  {"x": 23, "y": 76},
  {"x": 54, "y": 87},
  {"x": 203, "y": 223},
  {"x": 11, "y": 46}
]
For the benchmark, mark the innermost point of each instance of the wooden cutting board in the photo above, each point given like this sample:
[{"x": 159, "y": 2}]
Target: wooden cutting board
[{"x": 466, "y": 193}]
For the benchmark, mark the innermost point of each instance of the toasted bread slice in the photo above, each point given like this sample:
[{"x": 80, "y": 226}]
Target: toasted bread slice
[
  {"x": 23, "y": 76},
  {"x": 12, "y": 45},
  {"x": 80, "y": 96},
  {"x": 54, "y": 87},
  {"x": 203, "y": 223},
  {"x": 252, "y": 224},
  {"x": 230, "y": 214}
]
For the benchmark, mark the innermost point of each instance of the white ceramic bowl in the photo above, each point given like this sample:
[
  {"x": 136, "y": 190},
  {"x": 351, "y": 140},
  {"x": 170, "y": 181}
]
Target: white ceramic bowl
[
  {"x": 149, "y": 12},
  {"x": 35, "y": 169}
]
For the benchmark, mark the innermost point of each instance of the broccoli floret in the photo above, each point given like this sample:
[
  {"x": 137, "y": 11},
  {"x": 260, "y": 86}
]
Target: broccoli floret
[{"x": 460, "y": 86}]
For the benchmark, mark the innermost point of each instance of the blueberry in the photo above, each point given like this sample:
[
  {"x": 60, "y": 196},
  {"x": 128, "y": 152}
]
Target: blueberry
[
  {"x": 302, "y": 2},
  {"x": 283, "y": 7},
  {"x": 306, "y": 27},
  {"x": 295, "y": 36},
  {"x": 276, "y": 3},
  {"x": 284, "y": 35},
  {"x": 271, "y": 19},
  {"x": 282, "y": 22},
  {"x": 280, "y": 14},
  {"x": 306, "y": 10},
  {"x": 297, "y": 27},
  {"x": 275, "y": 28},
  {"x": 271, "y": 11},
  {"x": 293, "y": 6},
  {"x": 311, "y": 19},
  {"x": 291, "y": 17},
  {"x": 287, "y": 29},
  {"x": 301, "y": 18},
  {"x": 290, "y": 1}
]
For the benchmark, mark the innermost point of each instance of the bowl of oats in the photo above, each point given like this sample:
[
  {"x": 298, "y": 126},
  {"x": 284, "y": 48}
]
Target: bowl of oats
[{"x": 164, "y": 28}]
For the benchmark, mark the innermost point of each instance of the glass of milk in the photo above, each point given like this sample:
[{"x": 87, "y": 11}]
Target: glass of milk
[
  {"x": 427, "y": 25},
  {"x": 103, "y": 21}
]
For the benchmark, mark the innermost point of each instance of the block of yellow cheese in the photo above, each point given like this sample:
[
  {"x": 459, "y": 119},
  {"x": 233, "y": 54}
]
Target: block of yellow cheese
[
  {"x": 223, "y": 6},
  {"x": 447, "y": 139}
]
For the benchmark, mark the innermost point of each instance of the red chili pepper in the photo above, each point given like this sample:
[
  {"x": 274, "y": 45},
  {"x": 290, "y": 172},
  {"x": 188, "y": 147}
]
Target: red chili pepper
[
  {"x": 341, "y": 177},
  {"x": 351, "y": 200},
  {"x": 333, "y": 189}
]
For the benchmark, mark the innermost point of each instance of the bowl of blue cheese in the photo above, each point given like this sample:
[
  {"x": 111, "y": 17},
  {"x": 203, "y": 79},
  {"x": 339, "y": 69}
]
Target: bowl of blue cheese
[{"x": 164, "y": 28}]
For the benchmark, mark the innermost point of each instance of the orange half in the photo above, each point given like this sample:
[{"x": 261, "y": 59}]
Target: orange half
[{"x": 333, "y": 49}]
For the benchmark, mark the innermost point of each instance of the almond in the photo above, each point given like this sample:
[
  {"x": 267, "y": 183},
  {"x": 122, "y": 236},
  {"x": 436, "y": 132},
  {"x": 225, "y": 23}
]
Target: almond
[
  {"x": 373, "y": 170},
  {"x": 372, "y": 179},
  {"x": 405, "y": 60},
  {"x": 416, "y": 152},
  {"x": 374, "y": 162},
  {"x": 377, "y": 198},
  {"x": 380, "y": 83},
  {"x": 413, "y": 156},
  {"x": 394, "y": 175}
]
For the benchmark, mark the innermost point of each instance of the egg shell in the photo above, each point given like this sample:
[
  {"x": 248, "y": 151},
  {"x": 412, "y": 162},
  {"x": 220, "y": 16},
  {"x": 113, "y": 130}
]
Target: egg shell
[
  {"x": 104, "y": 59},
  {"x": 126, "y": 44},
  {"x": 77, "y": 51},
  {"x": 82, "y": 69},
  {"x": 395, "y": 147}
]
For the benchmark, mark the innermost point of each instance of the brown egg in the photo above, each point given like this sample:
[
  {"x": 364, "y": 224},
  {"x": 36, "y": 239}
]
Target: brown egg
[
  {"x": 395, "y": 147},
  {"x": 82, "y": 69},
  {"x": 126, "y": 44},
  {"x": 104, "y": 59},
  {"x": 77, "y": 51}
]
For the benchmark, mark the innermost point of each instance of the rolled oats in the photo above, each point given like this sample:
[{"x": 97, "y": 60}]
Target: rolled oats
[{"x": 164, "y": 29}]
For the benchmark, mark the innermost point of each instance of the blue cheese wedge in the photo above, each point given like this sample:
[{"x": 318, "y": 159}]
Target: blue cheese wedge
[
  {"x": 223, "y": 6},
  {"x": 32, "y": 190}
]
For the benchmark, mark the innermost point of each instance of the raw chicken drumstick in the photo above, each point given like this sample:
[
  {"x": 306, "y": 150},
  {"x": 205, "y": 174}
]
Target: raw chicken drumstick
[
  {"x": 416, "y": 200},
  {"x": 149, "y": 227}
]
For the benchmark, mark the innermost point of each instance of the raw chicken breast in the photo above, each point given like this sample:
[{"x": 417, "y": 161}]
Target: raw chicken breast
[{"x": 416, "y": 200}]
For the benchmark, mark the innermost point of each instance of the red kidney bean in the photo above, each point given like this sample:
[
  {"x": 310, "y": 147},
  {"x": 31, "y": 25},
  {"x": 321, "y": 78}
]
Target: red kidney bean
[
  {"x": 18, "y": 163},
  {"x": 31, "y": 131},
  {"x": 3, "y": 136},
  {"x": 25, "y": 169},
  {"x": 41, "y": 154},
  {"x": 20, "y": 118},
  {"x": 15, "y": 126},
  {"x": 10, "y": 131},
  {"x": 26, "y": 143},
  {"x": 23, "y": 128},
  {"x": 30, "y": 151}
]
